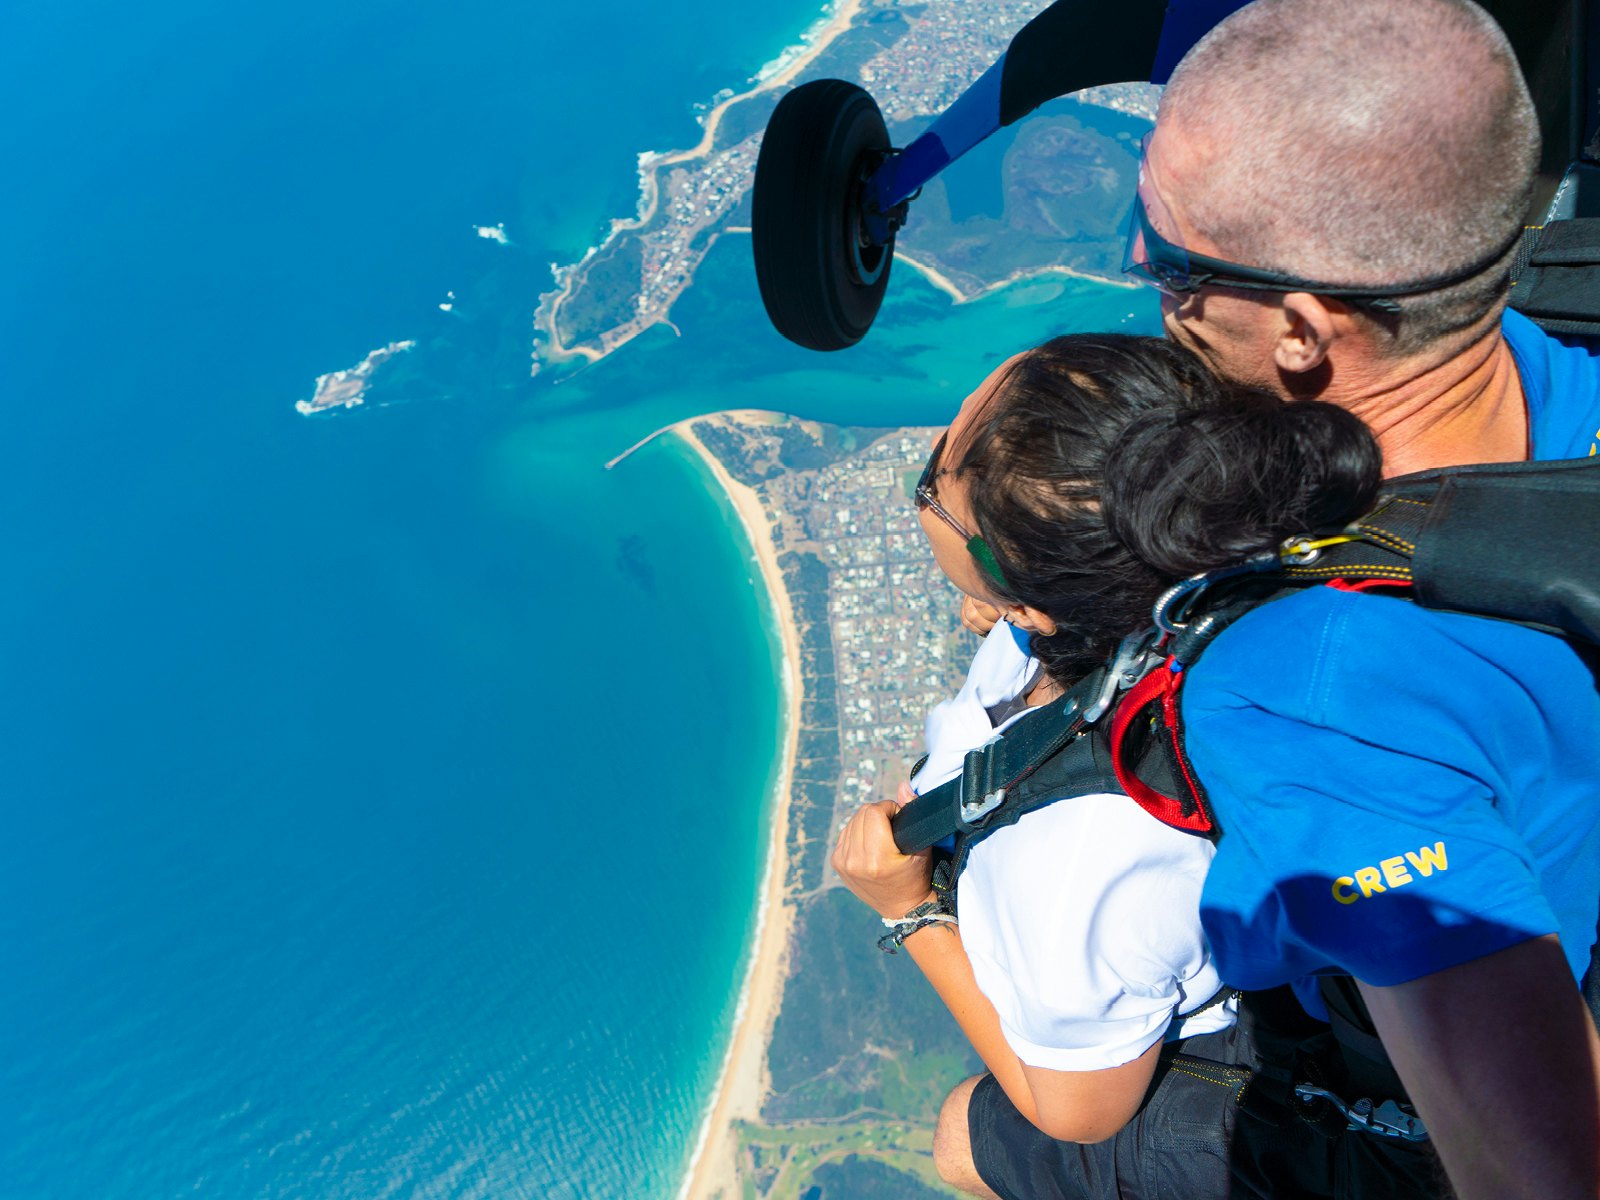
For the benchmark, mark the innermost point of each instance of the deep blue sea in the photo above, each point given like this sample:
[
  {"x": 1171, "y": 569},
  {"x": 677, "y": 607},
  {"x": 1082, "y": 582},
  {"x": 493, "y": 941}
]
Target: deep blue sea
[{"x": 383, "y": 795}]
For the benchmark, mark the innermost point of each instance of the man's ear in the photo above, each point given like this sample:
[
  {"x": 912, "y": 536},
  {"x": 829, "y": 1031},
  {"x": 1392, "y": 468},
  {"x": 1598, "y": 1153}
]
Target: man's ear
[
  {"x": 1025, "y": 617},
  {"x": 1310, "y": 327}
]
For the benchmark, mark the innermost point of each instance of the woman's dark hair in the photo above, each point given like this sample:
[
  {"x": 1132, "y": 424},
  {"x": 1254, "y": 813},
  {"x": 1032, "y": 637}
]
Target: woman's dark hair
[{"x": 1107, "y": 467}]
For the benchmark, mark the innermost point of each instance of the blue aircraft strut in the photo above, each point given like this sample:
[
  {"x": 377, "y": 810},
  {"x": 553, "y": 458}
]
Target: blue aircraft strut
[{"x": 1072, "y": 45}]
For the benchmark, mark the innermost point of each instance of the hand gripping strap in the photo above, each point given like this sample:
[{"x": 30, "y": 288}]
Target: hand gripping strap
[{"x": 1188, "y": 809}]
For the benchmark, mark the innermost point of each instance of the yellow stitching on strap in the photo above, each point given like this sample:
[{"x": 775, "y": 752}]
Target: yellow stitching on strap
[
  {"x": 1388, "y": 540},
  {"x": 1369, "y": 570},
  {"x": 1237, "y": 1092}
]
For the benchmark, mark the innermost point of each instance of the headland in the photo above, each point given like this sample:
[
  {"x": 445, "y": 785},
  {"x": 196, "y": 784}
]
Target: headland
[
  {"x": 712, "y": 179},
  {"x": 915, "y": 58}
]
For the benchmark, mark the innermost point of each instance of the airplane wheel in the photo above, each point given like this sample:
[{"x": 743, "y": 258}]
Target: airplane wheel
[{"x": 822, "y": 280}]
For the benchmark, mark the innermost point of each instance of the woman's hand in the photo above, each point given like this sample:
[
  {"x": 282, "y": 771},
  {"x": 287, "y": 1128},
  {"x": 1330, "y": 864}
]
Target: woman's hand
[
  {"x": 890, "y": 883},
  {"x": 978, "y": 616}
]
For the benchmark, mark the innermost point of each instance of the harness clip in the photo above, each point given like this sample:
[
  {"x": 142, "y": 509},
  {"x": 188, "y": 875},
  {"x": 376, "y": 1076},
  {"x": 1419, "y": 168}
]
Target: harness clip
[
  {"x": 1125, "y": 670},
  {"x": 1385, "y": 1120},
  {"x": 1174, "y": 605},
  {"x": 973, "y": 811},
  {"x": 981, "y": 793}
]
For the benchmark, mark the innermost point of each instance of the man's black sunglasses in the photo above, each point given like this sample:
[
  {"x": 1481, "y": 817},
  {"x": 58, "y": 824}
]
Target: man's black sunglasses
[{"x": 1170, "y": 267}]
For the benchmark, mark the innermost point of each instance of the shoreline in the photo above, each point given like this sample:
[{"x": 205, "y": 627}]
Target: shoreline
[
  {"x": 817, "y": 38},
  {"x": 825, "y": 31},
  {"x": 950, "y": 288},
  {"x": 742, "y": 1081}
]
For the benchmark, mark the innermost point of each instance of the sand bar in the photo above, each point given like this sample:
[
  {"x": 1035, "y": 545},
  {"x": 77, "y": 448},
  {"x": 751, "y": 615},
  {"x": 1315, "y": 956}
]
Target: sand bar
[
  {"x": 744, "y": 1081},
  {"x": 1027, "y": 275}
]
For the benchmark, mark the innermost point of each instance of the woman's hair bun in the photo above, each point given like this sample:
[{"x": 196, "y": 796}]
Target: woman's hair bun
[{"x": 1192, "y": 490}]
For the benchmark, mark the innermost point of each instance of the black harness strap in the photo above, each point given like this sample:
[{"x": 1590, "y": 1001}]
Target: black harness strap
[
  {"x": 1558, "y": 277},
  {"x": 993, "y": 771},
  {"x": 1481, "y": 540}
]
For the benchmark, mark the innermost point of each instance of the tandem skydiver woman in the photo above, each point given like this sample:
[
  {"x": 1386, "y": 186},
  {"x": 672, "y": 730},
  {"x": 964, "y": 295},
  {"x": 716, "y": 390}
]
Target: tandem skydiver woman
[{"x": 1079, "y": 970}]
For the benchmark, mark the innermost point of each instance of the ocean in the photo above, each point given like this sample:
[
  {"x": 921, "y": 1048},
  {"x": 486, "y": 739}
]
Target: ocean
[{"x": 383, "y": 793}]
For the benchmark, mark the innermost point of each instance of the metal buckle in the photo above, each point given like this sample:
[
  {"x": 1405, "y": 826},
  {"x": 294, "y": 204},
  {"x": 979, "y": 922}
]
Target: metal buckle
[
  {"x": 974, "y": 811},
  {"x": 1127, "y": 668},
  {"x": 1385, "y": 1120},
  {"x": 1174, "y": 605},
  {"x": 979, "y": 796}
]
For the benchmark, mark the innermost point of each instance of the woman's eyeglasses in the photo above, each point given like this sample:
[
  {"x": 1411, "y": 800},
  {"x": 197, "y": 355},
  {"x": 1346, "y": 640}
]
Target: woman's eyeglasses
[{"x": 925, "y": 497}]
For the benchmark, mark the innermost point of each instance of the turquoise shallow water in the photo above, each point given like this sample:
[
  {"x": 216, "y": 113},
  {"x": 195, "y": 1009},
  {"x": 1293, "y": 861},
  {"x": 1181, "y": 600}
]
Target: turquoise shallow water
[{"x": 382, "y": 794}]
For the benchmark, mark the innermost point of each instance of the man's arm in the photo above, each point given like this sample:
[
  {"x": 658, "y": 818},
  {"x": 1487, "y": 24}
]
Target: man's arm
[
  {"x": 1501, "y": 1058},
  {"x": 1075, "y": 1106}
]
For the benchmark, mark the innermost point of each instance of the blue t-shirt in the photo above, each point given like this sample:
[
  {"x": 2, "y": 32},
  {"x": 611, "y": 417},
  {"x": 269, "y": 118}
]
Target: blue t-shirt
[
  {"x": 1400, "y": 790},
  {"x": 1561, "y": 380}
]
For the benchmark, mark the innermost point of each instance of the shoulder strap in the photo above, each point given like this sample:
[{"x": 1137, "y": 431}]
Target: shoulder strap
[
  {"x": 993, "y": 775},
  {"x": 1557, "y": 279},
  {"x": 1081, "y": 767},
  {"x": 1508, "y": 540}
]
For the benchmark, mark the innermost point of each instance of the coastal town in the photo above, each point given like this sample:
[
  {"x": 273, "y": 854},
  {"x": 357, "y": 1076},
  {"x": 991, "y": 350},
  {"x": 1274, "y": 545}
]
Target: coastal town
[
  {"x": 897, "y": 642},
  {"x": 873, "y": 639},
  {"x": 915, "y": 60},
  {"x": 869, "y": 600}
]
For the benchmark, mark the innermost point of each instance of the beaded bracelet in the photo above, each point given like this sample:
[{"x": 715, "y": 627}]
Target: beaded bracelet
[{"x": 930, "y": 912}]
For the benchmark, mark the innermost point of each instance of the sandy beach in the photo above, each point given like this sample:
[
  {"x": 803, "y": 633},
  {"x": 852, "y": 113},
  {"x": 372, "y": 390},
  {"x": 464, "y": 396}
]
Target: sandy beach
[
  {"x": 843, "y": 17},
  {"x": 743, "y": 1081}
]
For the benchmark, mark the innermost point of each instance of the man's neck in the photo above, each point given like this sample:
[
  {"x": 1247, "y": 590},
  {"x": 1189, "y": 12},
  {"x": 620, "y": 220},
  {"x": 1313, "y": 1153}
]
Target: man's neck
[{"x": 1469, "y": 408}]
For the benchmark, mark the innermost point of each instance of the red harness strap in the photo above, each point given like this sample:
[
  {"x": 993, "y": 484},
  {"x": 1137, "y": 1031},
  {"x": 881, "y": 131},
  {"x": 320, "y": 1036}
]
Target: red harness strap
[
  {"x": 1366, "y": 585},
  {"x": 1161, "y": 685},
  {"x": 1189, "y": 810}
]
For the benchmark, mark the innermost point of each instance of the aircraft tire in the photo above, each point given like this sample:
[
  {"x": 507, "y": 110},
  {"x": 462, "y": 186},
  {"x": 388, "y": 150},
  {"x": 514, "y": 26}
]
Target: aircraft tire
[{"x": 821, "y": 280}]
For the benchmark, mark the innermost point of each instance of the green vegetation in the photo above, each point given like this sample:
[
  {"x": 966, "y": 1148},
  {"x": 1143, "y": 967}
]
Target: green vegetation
[
  {"x": 860, "y": 1032},
  {"x": 861, "y": 1160},
  {"x": 860, "y": 1177},
  {"x": 1066, "y": 178},
  {"x": 612, "y": 283},
  {"x": 908, "y": 483},
  {"x": 816, "y": 769}
]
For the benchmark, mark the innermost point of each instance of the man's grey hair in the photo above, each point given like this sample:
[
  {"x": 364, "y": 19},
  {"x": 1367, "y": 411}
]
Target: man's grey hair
[{"x": 1362, "y": 142}]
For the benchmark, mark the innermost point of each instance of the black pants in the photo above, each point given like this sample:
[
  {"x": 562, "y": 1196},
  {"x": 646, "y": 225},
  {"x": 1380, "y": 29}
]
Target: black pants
[
  {"x": 1193, "y": 1141},
  {"x": 1288, "y": 1159},
  {"x": 1177, "y": 1147}
]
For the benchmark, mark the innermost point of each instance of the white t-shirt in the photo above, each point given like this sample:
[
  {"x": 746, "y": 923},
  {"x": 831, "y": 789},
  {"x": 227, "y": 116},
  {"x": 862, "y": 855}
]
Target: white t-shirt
[{"x": 1082, "y": 920}]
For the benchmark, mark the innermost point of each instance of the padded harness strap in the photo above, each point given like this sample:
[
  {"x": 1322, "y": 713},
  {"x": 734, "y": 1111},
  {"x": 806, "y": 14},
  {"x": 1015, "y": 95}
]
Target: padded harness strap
[
  {"x": 1558, "y": 277},
  {"x": 1158, "y": 691},
  {"x": 993, "y": 771}
]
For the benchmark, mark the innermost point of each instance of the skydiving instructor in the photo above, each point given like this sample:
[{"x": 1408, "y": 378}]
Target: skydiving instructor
[{"x": 1330, "y": 203}]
